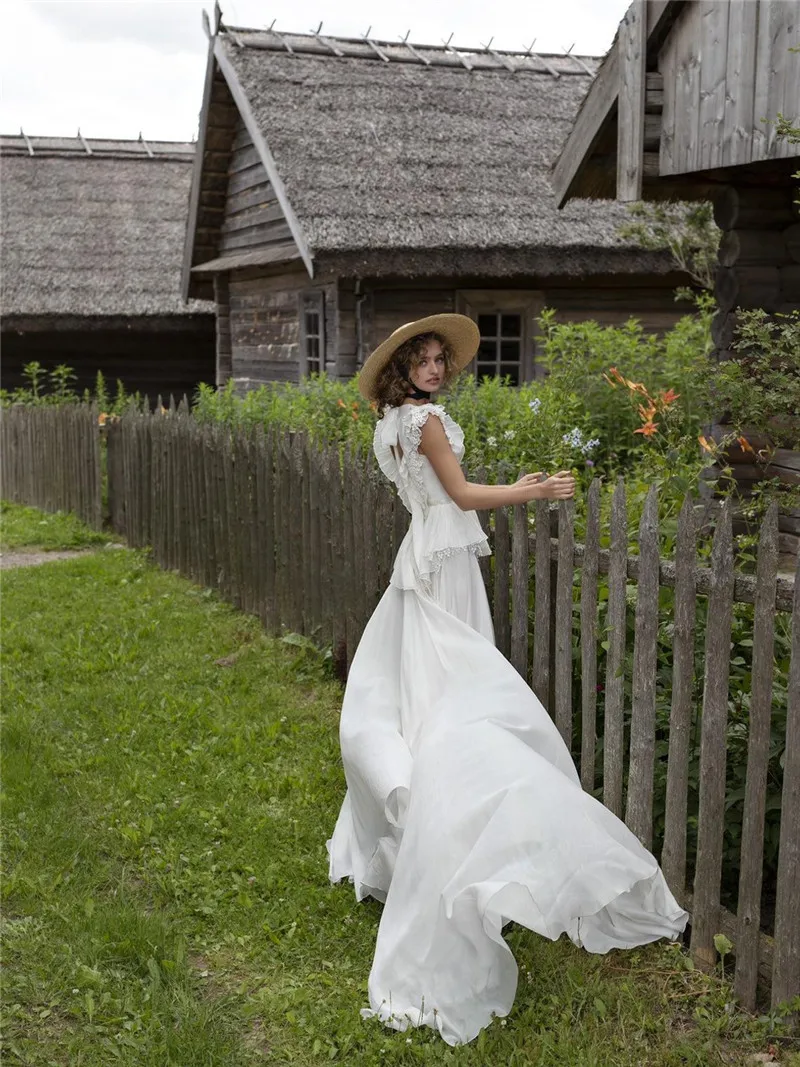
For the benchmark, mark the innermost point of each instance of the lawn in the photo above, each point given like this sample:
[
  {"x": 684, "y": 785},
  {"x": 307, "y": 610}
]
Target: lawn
[{"x": 171, "y": 775}]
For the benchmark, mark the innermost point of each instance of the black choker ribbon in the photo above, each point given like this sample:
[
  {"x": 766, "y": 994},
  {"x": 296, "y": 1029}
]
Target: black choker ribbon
[{"x": 418, "y": 394}]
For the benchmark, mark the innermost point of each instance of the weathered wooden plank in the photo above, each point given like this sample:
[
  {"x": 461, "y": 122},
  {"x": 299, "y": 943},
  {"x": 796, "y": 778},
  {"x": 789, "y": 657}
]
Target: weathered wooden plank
[
  {"x": 632, "y": 52},
  {"x": 258, "y": 196},
  {"x": 315, "y": 607},
  {"x": 673, "y": 857},
  {"x": 713, "y": 83},
  {"x": 304, "y": 532},
  {"x": 615, "y": 654},
  {"x": 589, "y": 638},
  {"x": 711, "y": 815},
  {"x": 563, "y": 621},
  {"x": 257, "y": 214},
  {"x": 296, "y": 489},
  {"x": 519, "y": 589},
  {"x": 502, "y": 629},
  {"x": 748, "y": 908},
  {"x": 737, "y": 124},
  {"x": 540, "y": 677},
  {"x": 337, "y": 549},
  {"x": 786, "y": 970},
  {"x": 639, "y": 806}
]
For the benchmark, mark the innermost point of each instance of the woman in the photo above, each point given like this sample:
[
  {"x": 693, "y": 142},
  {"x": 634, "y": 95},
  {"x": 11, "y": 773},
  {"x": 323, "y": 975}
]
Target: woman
[{"x": 463, "y": 809}]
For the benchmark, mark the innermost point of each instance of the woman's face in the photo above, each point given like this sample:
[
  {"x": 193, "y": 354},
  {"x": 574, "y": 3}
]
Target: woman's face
[{"x": 427, "y": 373}]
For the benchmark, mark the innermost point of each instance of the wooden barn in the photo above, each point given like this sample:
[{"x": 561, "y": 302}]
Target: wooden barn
[
  {"x": 92, "y": 235},
  {"x": 725, "y": 72},
  {"x": 343, "y": 187}
]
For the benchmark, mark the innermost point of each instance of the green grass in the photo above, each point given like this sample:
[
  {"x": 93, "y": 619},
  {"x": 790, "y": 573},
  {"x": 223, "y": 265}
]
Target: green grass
[
  {"x": 171, "y": 775},
  {"x": 22, "y": 527}
]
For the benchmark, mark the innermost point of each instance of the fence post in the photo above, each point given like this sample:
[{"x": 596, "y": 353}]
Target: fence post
[
  {"x": 711, "y": 816},
  {"x": 615, "y": 656},
  {"x": 502, "y": 628},
  {"x": 589, "y": 637},
  {"x": 519, "y": 589},
  {"x": 673, "y": 859},
  {"x": 563, "y": 642},
  {"x": 639, "y": 807},
  {"x": 540, "y": 676},
  {"x": 786, "y": 968}
]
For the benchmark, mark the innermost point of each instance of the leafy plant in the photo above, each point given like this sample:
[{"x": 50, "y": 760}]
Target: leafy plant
[{"x": 686, "y": 230}]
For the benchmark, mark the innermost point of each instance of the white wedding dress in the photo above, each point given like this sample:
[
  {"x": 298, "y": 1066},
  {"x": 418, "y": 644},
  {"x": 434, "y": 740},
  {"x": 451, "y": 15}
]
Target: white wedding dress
[{"x": 463, "y": 807}]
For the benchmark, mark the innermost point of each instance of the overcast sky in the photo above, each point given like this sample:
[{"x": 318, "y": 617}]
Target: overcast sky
[{"x": 118, "y": 67}]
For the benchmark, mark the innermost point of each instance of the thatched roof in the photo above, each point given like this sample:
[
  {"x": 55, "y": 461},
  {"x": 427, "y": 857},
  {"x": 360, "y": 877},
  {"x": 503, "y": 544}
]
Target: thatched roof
[
  {"x": 93, "y": 227},
  {"x": 411, "y": 151}
]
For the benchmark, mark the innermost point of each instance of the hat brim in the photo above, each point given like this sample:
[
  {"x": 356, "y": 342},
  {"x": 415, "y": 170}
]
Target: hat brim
[{"x": 460, "y": 332}]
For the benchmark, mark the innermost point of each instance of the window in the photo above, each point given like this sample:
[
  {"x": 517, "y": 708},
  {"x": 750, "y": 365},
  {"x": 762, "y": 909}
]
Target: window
[
  {"x": 507, "y": 323},
  {"x": 500, "y": 354},
  {"x": 312, "y": 333}
]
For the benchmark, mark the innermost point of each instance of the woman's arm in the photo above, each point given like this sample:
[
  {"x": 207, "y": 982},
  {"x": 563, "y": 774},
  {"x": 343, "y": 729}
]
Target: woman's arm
[{"x": 470, "y": 496}]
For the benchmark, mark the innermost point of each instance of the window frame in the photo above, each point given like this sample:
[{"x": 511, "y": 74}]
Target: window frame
[
  {"x": 527, "y": 303},
  {"x": 312, "y": 302}
]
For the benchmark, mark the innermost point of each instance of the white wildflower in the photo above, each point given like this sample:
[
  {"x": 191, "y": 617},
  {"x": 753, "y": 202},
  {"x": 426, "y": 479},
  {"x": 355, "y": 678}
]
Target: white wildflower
[
  {"x": 535, "y": 405},
  {"x": 573, "y": 438},
  {"x": 509, "y": 435},
  {"x": 491, "y": 441},
  {"x": 590, "y": 445}
]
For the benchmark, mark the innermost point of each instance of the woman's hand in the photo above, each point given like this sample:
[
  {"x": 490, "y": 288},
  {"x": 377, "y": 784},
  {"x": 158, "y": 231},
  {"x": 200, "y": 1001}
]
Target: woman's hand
[{"x": 536, "y": 486}]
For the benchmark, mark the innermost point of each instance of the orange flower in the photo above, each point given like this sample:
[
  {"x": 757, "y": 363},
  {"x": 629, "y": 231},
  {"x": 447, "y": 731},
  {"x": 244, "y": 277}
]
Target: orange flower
[
  {"x": 341, "y": 403},
  {"x": 648, "y": 429},
  {"x": 647, "y": 413},
  {"x": 355, "y": 415},
  {"x": 373, "y": 405},
  {"x": 101, "y": 418},
  {"x": 745, "y": 445},
  {"x": 707, "y": 446},
  {"x": 668, "y": 396}
]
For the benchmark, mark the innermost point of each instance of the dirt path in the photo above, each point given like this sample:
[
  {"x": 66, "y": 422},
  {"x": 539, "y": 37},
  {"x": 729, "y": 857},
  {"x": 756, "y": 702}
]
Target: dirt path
[{"x": 32, "y": 557}]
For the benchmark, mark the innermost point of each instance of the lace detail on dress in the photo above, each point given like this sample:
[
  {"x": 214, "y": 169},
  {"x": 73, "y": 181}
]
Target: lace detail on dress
[{"x": 414, "y": 419}]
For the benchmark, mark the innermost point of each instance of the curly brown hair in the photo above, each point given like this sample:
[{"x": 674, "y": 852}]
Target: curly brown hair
[{"x": 391, "y": 387}]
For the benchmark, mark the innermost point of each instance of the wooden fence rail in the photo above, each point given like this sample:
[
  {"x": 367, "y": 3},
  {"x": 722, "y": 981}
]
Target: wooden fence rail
[
  {"x": 305, "y": 536},
  {"x": 50, "y": 459}
]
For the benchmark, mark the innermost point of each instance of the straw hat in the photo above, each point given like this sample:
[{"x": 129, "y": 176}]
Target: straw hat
[{"x": 460, "y": 332}]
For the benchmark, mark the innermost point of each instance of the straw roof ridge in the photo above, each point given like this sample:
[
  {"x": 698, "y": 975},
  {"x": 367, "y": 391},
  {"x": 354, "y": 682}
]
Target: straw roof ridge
[
  {"x": 409, "y": 156},
  {"x": 97, "y": 235}
]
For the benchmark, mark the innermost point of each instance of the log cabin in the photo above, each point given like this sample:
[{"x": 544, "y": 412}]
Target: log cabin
[
  {"x": 92, "y": 235},
  {"x": 724, "y": 72},
  {"x": 343, "y": 187}
]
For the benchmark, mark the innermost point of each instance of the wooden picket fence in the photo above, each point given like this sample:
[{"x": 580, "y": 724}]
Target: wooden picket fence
[
  {"x": 304, "y": 536},
  {"x": 50, "y": 459}
]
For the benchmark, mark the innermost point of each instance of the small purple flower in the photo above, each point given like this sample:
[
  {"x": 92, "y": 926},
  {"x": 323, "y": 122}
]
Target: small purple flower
[{"x": 589, "y": 462}]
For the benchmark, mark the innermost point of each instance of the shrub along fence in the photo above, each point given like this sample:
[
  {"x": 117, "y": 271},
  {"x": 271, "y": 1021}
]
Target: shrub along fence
[
  {"x": 305, "y": 538},
  {"x": 50, "y": 459}
]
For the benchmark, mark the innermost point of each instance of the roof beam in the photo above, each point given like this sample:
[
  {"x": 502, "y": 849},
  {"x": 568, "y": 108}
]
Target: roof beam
[
  {"x": 599, "y": 105},
  {"x": 264, "y": 154},
  {"x": 632, "y": 48}
]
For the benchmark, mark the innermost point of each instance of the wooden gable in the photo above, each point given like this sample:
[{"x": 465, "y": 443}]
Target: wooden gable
[
  {"x": 239, "y": 214},
  {"x": 687, "y": 90}
]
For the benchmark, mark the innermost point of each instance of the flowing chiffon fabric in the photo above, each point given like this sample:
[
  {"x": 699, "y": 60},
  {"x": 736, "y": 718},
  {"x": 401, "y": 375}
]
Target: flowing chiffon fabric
[{"x": 463, "y": 807}]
